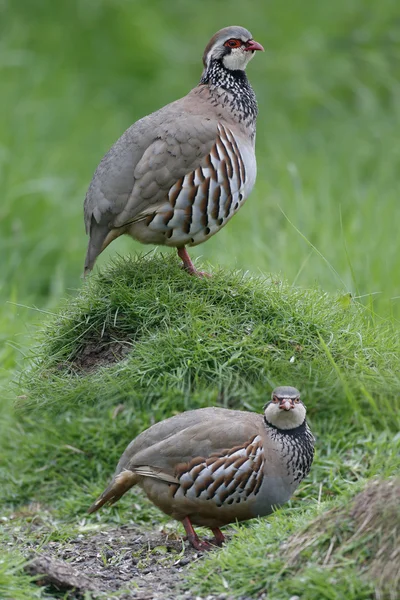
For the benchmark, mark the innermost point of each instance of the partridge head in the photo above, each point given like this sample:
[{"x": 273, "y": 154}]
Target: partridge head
[
  {"x": 215, "y": 466},
  {"x": 178, "y": 175}
]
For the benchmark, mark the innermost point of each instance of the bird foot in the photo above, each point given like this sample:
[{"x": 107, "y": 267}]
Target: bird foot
[
  {"x": 188, "y": 265},
  {"x": 195, "y": 272},
  {"x": 193, "y": 538},
  {"x": 219, "y": 537},
  {"x": 201, "y": 545}
]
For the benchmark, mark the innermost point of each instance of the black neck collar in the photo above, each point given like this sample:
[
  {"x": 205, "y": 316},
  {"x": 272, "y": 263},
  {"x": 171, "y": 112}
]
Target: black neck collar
[
  {"x": 218, "y": 75},
  {"x": 295, "y": 431}
]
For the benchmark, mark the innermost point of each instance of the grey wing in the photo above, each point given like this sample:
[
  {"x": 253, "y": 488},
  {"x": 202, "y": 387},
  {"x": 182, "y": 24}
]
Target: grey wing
[
  {"x": 135, "y": 175},
  {"x": 112, "y": 181},
  {"x": 178, "y": 150},
  {"x": 188, "y": 436}
]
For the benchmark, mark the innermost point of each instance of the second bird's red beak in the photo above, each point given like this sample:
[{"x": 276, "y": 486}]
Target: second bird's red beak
[
  {"x": 253, "y": 45},
  {"x": 286, "y": 404}
]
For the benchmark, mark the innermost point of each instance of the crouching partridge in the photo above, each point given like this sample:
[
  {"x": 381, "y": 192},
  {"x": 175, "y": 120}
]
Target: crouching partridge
[
  {"x": 177, "y": 176},
  {"x": 214, "y": 466}
]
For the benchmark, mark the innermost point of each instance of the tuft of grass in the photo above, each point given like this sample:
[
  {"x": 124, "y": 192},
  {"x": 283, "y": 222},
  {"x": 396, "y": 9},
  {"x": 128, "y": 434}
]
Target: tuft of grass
[
  {"x": 347, "y": 551},
  {"x": 363, "y": 531}
]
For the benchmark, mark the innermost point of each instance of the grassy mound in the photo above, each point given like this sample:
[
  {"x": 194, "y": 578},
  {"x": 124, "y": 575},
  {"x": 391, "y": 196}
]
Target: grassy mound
[
  {"x": 143, "y": 333},
  {"x": 349, "y": 551}
]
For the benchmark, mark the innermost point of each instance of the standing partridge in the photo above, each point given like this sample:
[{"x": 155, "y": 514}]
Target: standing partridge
[
  {"x": 214, "y": 466},
  {"x": 178, "y": 175}
]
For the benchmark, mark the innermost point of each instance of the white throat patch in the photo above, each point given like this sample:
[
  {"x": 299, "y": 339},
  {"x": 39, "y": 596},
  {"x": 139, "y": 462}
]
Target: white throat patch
[
  {"x": 237, "y": 59},
  {"x": 285, "y": 419}
]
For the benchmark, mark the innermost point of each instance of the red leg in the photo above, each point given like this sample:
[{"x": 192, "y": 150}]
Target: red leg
[
  {"x": 218, "y": 535},
  {"x": 193, "y": 537},
  {"x": 188, "y": 265}
]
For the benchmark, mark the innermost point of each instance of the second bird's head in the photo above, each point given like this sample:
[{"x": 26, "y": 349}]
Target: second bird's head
[
  {"x": 233, "y": 46},
  {"x": 285, "y": 409}
]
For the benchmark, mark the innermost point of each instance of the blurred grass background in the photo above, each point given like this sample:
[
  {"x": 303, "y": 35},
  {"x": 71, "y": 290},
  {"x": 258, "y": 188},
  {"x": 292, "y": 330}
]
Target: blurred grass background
[{"x": 76, "y": 73}]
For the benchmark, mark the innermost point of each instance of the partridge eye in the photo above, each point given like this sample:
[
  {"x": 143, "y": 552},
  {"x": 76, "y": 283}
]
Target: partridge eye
[
  {"x": 297, "y": 400},
  {"x": 275, "y": 399},
  {"x": 233, "y": 43}
]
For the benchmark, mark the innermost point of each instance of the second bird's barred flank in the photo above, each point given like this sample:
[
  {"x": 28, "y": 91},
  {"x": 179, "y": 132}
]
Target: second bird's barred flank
[
  {"x": 224, "y": 478},
  {"x": 234, "y": 475}
]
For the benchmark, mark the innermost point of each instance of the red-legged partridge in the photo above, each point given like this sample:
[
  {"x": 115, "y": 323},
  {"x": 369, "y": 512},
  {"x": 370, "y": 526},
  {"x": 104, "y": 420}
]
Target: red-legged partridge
[
  {"x": 214, "y": 466},
  {"x": 178, "y": 175}
]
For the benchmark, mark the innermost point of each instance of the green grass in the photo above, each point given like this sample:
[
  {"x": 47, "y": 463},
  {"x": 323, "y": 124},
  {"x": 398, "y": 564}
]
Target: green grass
[
  {"x": 74, "y": 75},
  {"x": 14, "y": 583}
]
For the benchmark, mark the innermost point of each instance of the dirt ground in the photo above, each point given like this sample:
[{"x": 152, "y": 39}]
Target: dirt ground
[{"x": 123, "y": 563}]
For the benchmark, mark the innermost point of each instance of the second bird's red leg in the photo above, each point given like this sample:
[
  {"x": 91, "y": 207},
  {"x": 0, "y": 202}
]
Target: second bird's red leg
[
  {"x": 218, "y": 536},
  {"x": 193, "y": 537}
]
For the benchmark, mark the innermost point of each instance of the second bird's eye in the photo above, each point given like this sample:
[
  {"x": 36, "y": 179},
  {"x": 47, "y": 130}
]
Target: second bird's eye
[{"x": 233, "y": 43}]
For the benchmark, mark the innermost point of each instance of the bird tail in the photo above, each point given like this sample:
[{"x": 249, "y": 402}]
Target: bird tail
[{"x": 117, "y": 488}]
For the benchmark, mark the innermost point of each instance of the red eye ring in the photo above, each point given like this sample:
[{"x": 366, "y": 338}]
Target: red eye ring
[{"x": 232, "y": 43}]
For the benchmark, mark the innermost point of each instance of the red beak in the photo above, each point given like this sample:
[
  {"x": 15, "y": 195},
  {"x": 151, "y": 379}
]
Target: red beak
[
  {"x": 253, "y": 45},
  {"x": 286, "y": 404}
]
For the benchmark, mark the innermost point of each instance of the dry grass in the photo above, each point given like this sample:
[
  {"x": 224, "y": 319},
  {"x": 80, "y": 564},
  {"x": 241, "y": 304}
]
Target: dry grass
[{"x": 365, "y": 531}]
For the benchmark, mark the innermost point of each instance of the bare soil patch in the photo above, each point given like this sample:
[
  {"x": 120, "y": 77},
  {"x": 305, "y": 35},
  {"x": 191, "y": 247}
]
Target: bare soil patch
[
  {"x": 124, "y": 563},
  {"x": 100, "y": 353}
]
